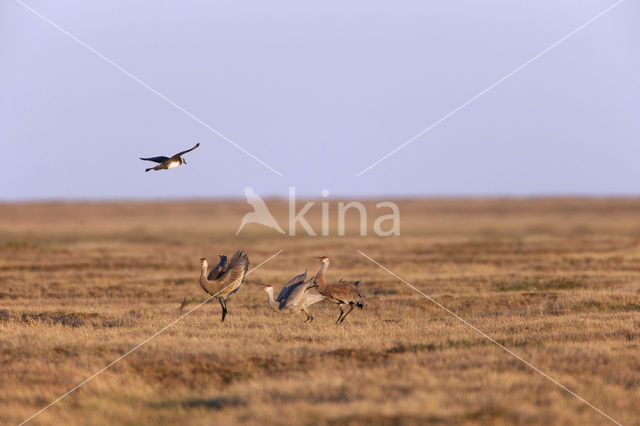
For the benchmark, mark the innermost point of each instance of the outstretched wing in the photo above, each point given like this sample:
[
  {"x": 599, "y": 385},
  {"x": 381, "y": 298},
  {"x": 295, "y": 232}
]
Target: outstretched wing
[
  {"x": 215, "y": 273},
  {"x": 286, "y": 290},
  {"x": 189, "y": 150},
  {"x": 159, "y": 160},
  {"x": 297, "y": 295},
  {"x": 234, "y": 272}
]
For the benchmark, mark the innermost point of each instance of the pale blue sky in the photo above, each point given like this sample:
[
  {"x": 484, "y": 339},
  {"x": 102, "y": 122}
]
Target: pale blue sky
[{"x": 319, "y": 90}]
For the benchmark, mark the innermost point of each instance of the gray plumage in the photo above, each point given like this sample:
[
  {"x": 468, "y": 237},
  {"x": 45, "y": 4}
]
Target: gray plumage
[{"x": 296, "y": 296}]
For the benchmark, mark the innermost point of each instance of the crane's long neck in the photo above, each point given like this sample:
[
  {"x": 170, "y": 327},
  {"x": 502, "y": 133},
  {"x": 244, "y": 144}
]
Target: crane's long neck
[
  {"x": 203, "y": 278},
  {"x": 274, "y": 305},
  {"x": 322, "y": 285}
]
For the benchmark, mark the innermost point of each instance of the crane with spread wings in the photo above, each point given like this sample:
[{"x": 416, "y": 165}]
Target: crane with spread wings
[
  {"x": 225, "y": 279},
  {"x": 296, "y": 296}
]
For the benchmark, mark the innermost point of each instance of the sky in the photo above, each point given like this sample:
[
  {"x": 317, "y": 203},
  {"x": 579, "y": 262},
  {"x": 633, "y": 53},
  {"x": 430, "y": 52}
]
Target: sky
[{"x": 318, "y": 91}]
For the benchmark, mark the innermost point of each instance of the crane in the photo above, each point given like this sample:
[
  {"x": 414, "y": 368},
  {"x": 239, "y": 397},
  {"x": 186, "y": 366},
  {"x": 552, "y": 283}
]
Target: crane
[
  {"x": 295, "y": 296},
  {"x": 225, "y": 279},
  {"x": 342, "y": 293}
]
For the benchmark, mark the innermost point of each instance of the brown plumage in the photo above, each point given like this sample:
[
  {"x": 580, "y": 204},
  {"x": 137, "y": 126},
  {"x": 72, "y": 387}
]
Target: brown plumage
[
  {"x": 225, "y": 279},
  {"x": 342, "y": 293}
]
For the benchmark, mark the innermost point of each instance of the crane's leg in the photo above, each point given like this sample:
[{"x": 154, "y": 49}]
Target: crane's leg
[
  {"x": 224, "y": 308},
  {"x": 341, "y": 313},
  {"x": 348, "y": 312},
  {"x": 309, "y": 316}
]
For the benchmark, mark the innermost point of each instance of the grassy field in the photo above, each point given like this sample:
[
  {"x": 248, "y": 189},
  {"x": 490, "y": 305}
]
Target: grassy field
[{"x": 555, "y": 281}]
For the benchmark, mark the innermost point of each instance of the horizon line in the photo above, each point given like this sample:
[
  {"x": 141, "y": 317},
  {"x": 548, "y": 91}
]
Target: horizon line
[{"x": 387, "y": 197}]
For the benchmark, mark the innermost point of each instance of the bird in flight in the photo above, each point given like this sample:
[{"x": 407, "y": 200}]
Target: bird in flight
[{"x": 169, "y": 162}]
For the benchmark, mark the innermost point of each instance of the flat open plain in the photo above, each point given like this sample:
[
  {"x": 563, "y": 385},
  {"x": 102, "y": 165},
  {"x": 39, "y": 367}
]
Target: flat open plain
[{"x": 557, "y": 281}]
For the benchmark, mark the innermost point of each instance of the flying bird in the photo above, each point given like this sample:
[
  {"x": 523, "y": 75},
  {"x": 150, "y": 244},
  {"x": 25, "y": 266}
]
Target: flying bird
[
  {"x": 225, "y": 279},
  {"x": 342, "y": 293},
  {"x": 295, "y": 296},
  {"x": 260, "y": 213},
  {"x": 169, "y": 162}
]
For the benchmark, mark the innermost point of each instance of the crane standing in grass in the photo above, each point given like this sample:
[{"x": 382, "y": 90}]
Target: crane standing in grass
[
  {"x": 295, "y": 296},
  {"x": 342, "y": 293},
  {"x": 225, "y": 278}
]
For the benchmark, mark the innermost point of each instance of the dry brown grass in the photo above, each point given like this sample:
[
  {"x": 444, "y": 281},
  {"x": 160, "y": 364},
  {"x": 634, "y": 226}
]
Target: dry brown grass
[{"x": 556, "y": 281}]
